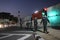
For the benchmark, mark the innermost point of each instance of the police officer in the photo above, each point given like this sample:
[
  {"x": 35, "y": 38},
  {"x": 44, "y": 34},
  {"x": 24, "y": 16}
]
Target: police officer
[
  {"x": 44, "y": 20},
  {"x": 35, "y": 23}
]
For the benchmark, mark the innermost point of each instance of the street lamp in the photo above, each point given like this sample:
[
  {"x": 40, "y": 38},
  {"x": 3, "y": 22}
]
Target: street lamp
[{"x": 18, "y": 18}]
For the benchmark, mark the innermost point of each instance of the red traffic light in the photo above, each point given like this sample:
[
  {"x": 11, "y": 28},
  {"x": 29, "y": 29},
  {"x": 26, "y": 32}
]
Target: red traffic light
[{"x": 45, "y": 9}]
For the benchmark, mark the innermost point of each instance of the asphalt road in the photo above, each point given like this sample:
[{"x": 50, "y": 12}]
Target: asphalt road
[
  {"x": 16, "y": 35},
  {"x": 19, "y": 35}
]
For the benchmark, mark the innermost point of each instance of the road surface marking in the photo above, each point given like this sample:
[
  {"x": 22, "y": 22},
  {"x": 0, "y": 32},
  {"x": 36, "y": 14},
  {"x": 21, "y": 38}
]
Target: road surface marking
[
  {"x": 25, "y": 37},
  {"x": 5, "y": 36},
  {"x": 22, "y": 31}
]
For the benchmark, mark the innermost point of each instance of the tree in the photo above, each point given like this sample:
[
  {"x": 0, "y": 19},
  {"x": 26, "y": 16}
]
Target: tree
[{"x": 6, "y": 15}]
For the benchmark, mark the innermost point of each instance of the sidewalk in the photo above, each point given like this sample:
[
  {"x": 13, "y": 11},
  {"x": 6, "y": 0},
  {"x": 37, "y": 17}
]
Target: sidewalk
[{"x": 53, "y": 34}]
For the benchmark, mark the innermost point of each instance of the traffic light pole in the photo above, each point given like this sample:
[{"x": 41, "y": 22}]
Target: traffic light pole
[{"x": 18, "y": 18}]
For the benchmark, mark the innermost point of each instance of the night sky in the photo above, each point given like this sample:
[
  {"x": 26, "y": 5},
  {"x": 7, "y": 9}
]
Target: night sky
[{"x": 26, "y": 7}]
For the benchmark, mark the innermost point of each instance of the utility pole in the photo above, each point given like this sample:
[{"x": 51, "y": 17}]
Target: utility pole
[{"x": 19, "y": 18}]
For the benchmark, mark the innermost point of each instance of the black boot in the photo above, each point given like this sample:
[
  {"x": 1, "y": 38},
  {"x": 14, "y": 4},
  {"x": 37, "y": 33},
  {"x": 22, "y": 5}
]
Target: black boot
[{"x": 47, "y": 32}]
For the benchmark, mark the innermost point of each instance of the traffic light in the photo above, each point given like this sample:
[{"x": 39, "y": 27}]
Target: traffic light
[{"x": 44, "y": 11}]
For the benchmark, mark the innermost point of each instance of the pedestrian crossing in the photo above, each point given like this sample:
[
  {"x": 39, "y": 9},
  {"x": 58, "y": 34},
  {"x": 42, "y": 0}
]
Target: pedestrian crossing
[{"x": 23, "y": 36}]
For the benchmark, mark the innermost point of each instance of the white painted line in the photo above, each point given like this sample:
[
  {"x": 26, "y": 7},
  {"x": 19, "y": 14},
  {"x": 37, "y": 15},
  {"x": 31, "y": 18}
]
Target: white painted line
[
  {"x": 25, "y": 37},
  {"x": 22, "y": 31},
  {"x": 5, "y": 36},
  {"x": 20, "y": 34}
]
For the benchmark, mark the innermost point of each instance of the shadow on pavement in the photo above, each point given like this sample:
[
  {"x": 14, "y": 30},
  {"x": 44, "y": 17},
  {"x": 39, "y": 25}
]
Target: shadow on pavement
[
  {"x": 54, "y": 36},
  {"x": 40, "y": 31}
]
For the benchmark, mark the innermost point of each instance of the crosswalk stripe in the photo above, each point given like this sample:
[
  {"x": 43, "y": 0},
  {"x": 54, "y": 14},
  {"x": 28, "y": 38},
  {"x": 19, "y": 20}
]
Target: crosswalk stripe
[
  {"x": 25, "y": 37},
  {"x": 22, "y": 31},
  {"x": 5, "y": 36}
]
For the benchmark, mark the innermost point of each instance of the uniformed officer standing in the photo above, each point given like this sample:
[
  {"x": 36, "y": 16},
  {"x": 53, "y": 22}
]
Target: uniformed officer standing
[
  {"x": 44, "y": 20},
  {"x": 35, "y": 23}
]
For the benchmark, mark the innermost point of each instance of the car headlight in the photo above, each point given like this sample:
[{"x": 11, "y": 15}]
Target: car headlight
[
  {"x": 1, "y": 26},
  {"x": 5, "y": 25}
]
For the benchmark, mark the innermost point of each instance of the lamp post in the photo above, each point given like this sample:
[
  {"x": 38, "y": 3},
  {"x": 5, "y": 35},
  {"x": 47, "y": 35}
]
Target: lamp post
[{"x": 18, "y": 18}]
